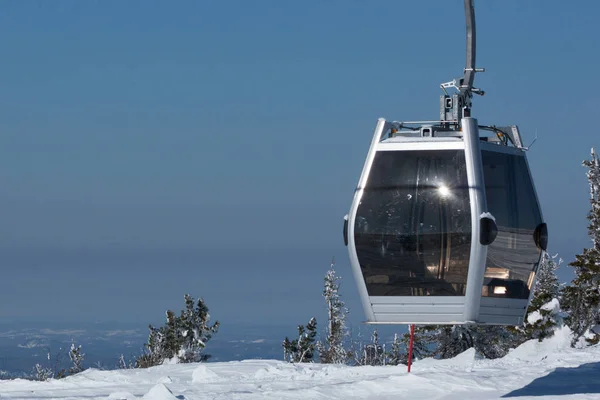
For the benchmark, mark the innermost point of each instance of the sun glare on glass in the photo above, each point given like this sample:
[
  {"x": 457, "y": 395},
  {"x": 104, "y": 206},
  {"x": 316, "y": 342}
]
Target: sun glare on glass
[{"x": 444, "y": 191}]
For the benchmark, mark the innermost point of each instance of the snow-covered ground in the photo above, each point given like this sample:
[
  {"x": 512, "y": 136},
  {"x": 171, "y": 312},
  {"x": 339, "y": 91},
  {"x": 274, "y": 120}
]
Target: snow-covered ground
[{"x": 550, "y": 369}]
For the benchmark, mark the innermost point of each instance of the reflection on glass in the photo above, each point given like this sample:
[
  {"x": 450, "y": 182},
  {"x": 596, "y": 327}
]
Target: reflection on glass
[
  {"x": 413, "y": 225},
  {"x": 513, "y": 257},
  {"x": 444, "y": 191}
]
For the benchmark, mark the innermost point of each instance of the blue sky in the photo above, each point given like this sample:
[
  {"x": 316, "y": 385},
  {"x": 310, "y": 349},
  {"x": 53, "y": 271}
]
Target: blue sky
[{"x": 151, "y": 148}]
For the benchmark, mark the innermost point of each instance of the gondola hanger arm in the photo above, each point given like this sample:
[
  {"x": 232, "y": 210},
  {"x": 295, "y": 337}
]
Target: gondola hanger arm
[{"x": 461, "y": 106}]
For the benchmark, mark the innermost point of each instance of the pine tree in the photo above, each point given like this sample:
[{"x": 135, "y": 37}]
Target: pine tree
[
  {"x": 355, "y": 353},
  {"x": 333, "y": 350},
  {"x": 155, "y": 349},
  {"x": 76, "y": 357},
  {"x": 396, "y": 355},
  {"x": 593, "y": 176},
  {"x": 447, "y": 341},
  {"x": 581, "y": 299},
  {"x": 372, "y": 353},
  {"x": 543, "y": 314},
  {"x": 122, "y": 363},
  {"x": 303, "y": 348},
  {"x": 423, "y": 342},
  {"x": 306, "y": 342},
  {"x": 453, "y": 340},
  {"x": 172, "y": 341},
  {"x": 182, "y": 338},
  {"x": 195, "y": 330},
  {"x": 493, "y": 341},
  {"x": 42, "y": 373}
]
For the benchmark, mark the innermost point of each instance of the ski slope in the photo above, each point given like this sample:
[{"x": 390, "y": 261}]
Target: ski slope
[{"x": 550, "y": 369}]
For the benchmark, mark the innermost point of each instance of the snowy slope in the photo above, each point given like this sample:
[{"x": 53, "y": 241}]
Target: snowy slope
[{"x": 551, "y": 369}]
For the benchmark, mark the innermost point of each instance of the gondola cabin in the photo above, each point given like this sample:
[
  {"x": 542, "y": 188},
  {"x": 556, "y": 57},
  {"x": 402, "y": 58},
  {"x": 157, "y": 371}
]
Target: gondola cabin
[{"x": 445, "y": 226}]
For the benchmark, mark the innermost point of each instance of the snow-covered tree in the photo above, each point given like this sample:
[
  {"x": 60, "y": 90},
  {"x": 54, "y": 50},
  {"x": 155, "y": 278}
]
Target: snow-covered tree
[
  {"x": 396, "y": 355},
  {"x": 447, "y": 341},
  {"x": 55, "y": 366},
  {"x": 195, "y": 330},
  {"x": 355, "y": 351},
  {"x": 332, "y": 351},
  {"x": 76, "y": 356},
  {"x": 581, "y": 299},
  {"x": 303, "y": 348},
  {"x": 493, "y": 341},
  {"x": 126, "y": 364},
  {"x": 593, "y": 176},
  {"x": 122, "y": 362},
  {"x": 42, "y": 373},
  {"x": 181, "y": 339},
  {"x": 423, "y": 343},
  {"x": 453, "y": 340},
  {"x": 543, "y": 314},
  {"x": 372, "y": 353}
]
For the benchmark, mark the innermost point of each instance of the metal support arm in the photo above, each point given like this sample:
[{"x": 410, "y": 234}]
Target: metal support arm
[
  {"x": 469, "y": 73},
  {"x": 459, "y": 106}
]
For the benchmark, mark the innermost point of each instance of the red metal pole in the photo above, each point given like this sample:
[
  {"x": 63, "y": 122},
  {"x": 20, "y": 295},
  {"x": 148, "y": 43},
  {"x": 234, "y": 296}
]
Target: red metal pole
[{"x": 410, "y": 346}]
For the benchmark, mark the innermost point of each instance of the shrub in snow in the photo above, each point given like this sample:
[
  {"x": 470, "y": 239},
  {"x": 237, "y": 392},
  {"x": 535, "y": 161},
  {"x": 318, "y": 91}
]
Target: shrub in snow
[
  {"x": 303, "y": 348},
  {"x": 581, "y": 299},
  {"x": 332, "y": 350},
  {"x": 182, "y": 338},
  {"x": 42, "y": 373},
  {"x": 126, "y": 364},
  {"x": 56, "y": 363}
]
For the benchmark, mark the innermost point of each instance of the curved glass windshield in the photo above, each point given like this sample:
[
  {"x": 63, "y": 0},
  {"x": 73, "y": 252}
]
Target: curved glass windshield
[
  {"x": 413, "y": 225},
  {"x": 513, "y": 257}
]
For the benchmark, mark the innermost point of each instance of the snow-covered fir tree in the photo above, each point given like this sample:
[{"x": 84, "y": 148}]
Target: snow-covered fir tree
[
  {"x": 543, "y": 314},
  {"x": 593, "y": 176},
  {"x": 396, "y": 354},
  {"x": 301, "y": 349},
  {"x": 423, "y": 342},
  {"x": 356, "y": 348},
  {"x": 195, "y": 330},
  {"x": 76, "y": 356},
  {"x": 122, "y": 362},
  {"x": 453, "y": 340},
  {"x": 493, "y": 341},
  {"x": 372, "y": 353},
  {"x": 42, "y": 373},
  {"x": 181, "y": 339},
  {"x": 581, "y": 299},
  {"x": 447, "y": 341},
  {"x": 332, "y": 350}
]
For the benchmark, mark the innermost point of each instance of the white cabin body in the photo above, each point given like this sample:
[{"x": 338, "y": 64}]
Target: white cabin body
[{"x": 445, "y": 228}]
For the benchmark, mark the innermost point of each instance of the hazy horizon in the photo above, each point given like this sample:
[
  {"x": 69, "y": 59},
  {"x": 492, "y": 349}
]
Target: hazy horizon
[{"x": 155, "y": 148}]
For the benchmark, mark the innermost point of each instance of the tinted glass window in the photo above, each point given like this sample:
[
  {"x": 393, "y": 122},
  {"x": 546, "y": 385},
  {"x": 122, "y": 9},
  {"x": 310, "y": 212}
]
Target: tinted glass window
[
  {"x": 512, "y": 258},
  {"x": 413, "y": 224}
]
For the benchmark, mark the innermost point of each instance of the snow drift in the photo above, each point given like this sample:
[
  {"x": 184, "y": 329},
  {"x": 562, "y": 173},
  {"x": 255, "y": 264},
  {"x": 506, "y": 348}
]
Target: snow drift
[{"x": 550, "y": 368}]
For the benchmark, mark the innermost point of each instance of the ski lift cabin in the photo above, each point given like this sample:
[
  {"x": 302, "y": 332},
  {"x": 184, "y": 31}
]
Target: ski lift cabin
[{"x": 445, "y": 226}]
